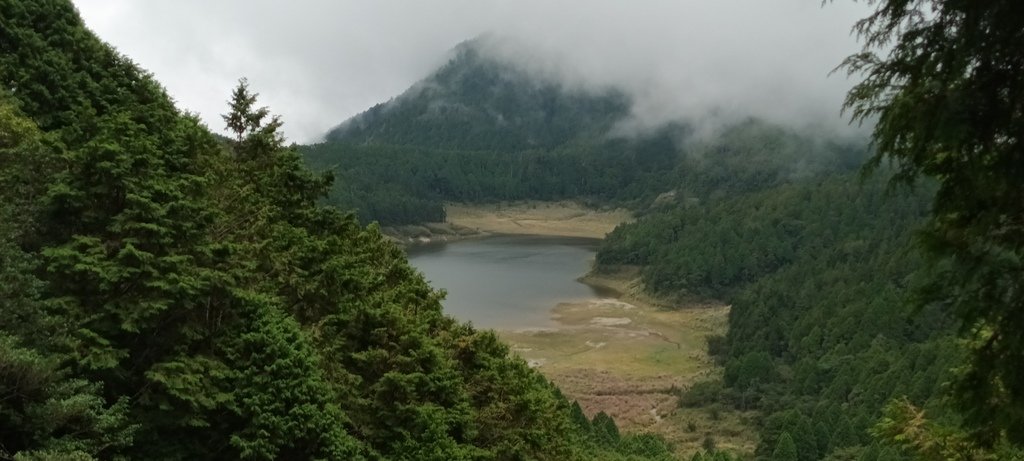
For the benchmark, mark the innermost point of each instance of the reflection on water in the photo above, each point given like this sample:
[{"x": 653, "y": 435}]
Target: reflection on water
[{"x": 508, "y": 281}]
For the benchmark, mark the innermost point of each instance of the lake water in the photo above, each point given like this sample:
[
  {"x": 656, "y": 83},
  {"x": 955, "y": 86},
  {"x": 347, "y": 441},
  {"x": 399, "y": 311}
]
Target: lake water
[{"x": 508, "y": 282}]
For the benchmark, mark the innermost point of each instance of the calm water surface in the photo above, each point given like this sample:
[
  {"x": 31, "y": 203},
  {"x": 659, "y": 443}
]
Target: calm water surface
[{"x": 508, "y": 282}]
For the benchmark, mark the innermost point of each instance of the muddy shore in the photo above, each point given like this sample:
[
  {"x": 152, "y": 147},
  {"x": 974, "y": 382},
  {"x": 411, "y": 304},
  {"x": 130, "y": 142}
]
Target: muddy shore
[
  {"x": 562, "y": 219},
  {"x": 628, "y": 354}
]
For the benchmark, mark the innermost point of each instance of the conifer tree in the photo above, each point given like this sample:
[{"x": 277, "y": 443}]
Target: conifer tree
[
  {"x": 606, "y": 433},
  {"x": 943, "y": 81},
  {"x": 286, "y": 410},
  {"x": 785, "y": 449}
]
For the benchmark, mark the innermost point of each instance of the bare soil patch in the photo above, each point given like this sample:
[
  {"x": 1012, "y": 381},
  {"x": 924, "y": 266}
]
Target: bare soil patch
[
  {"x": 630, "y": 356},
  {"x": 632, "y": 359},
  {"x": 567, "y": 219}
]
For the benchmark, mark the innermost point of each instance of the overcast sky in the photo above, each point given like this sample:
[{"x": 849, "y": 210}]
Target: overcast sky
[{"x": 318, "y": 62}]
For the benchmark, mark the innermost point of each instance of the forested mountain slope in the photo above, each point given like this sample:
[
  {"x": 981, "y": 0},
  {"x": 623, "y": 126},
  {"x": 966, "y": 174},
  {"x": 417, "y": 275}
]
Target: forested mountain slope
[
  {"x": 170, "y": 294},
  {"x": 482, "y": 129},
  {"x": 480, "y": 102},
  {"x": 167, "y": 295},
  {"x": 408, "y": 184},
  {"x": 818, "y": 274}
]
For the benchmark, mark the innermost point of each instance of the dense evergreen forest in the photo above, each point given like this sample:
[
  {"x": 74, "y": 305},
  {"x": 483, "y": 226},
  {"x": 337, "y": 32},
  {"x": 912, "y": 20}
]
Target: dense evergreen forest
[
  {"x": 848, "y": 294},
  {"x": 816, "y": 272},
  {"x": 394, "y": 184},
  {"x": 481, "y": 130},
  {"x": 404, "y": 185},
  {"x": 171, "y": 294},
  {"x": 480, "y": 102},
  {"x": 167, "y": 294}
]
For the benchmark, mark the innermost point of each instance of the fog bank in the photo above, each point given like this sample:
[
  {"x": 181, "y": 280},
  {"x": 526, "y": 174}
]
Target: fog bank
[{"x": 318, "y": 62}]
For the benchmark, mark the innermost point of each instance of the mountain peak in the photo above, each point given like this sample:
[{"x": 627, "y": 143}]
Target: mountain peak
[{"x": 481, "y": 100}]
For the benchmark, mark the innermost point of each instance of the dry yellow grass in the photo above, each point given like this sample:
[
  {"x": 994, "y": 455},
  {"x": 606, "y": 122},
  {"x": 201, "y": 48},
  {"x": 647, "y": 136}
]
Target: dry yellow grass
[
  {"x": 632, "y": 360},
  {"x": 567, "y": 219},
  {"x": 629, "y": 357}
]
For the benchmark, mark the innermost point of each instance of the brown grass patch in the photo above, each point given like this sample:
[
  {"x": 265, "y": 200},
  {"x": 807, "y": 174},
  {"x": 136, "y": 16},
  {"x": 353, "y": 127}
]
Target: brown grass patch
[
  {"x": 568, "y": 219},
  {"x": 632, "y": 360}
]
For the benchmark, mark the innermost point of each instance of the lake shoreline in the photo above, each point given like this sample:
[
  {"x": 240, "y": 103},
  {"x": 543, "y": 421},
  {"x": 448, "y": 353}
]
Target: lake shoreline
[
  {"x": 551, "y": 219},
  {"x": 620, "y": 350},
  {"x": 410, "y": 236},
  {"x": 633, "y": 359},
  {"x": 556, "y": 219},
  {"x": 542, "y": 219}
]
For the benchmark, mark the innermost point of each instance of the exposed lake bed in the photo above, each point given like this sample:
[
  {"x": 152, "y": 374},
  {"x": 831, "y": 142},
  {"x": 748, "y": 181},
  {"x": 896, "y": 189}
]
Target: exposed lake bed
[{"x": 596, "y": 336}]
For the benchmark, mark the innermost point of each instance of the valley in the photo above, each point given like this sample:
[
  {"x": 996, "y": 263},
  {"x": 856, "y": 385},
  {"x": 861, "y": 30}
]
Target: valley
[
  {"x": 511, "y": 259},
  {"x": 814, "y": 261},
  {"x": 617, "y": 351}
]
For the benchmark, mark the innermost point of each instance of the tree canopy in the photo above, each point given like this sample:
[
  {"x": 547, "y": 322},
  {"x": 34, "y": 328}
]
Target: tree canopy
[
  {"x": 944, "y": 86},
  {"x": 170, "y": 294}
]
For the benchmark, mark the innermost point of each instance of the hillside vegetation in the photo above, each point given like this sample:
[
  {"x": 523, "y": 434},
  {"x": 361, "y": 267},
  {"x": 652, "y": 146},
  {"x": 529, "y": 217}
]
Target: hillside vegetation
[
  {"x": 169, "y": 295},
  {"x": 478, "y": 102},
  {"x": 817, "y": 274}
]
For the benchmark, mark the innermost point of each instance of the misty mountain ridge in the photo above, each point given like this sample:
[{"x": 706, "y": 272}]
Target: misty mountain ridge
[
  {"x": 498, "y": 122},
  {"x": 497, "y": 94},
  {"x": 480, "y": 100}
]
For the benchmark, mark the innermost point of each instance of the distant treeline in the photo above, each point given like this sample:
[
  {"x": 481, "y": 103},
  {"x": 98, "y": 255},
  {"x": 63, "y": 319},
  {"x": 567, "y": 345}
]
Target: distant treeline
[
  {"x": 402, "y": 185},
  {"x": 395, "y": 184}
]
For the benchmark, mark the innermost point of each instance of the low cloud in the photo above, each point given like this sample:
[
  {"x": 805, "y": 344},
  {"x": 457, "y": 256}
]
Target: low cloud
[{"x": 317, "y": 63}]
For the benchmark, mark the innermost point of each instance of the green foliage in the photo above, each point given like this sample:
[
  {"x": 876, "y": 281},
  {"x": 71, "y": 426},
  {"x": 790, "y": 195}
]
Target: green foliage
[
  {"x": 580, "y": 419},
  {"x": 533, "y": 417},
  {"x": 606, "y": 433},
  {"x": 285, "y": 408},
  {"x": 749, "y": 370},
  {"x": 716, "y": 248},
  {"x": 904, "y": 425},
  {"x": 645, "y": 446},
  {"x": 712, "y": 455},
  {"x": 943, "y": 80},
  {"x": 817, "y": 339},
  {"x": 408, "y": 184},
  {"x": 482, "y": 130},
  {"x": 22, "y": 157},
  {"x": 170, "y": 295},
  {"x": 46, "y": 414},
  {"x": 156, "y": 280},
  {"x": 751, "y": 217},
  {"x": 905, "y": 430},
  {"x": 785, "y": 450}
]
